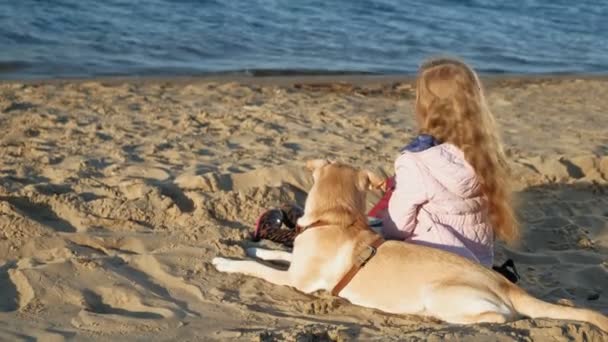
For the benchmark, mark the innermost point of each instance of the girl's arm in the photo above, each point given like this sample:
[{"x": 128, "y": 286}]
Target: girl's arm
[{"x": 408, "y": 195}]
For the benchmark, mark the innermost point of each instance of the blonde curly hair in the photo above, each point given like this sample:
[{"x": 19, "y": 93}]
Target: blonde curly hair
[{"x": 451, "y": 107}]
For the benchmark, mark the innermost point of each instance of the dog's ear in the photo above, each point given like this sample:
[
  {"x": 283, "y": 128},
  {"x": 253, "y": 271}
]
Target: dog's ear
[
  {"x": 316, "y": 164},
  {"x": 371, "y": 181}
]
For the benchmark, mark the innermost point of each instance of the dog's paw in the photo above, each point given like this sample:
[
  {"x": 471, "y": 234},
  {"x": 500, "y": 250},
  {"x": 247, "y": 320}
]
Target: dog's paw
[{"x": 223, "y": 264}]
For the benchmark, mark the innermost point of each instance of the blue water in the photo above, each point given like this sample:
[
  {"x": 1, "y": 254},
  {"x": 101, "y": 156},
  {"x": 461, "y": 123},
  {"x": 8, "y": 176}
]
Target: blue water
[{"x": 82, "y": 38}]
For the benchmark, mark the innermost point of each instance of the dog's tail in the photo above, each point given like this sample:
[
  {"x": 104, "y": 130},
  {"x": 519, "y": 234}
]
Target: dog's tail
[{"x": 527, "y": 305}]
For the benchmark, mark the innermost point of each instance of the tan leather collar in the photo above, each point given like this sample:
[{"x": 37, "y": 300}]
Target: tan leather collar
[{"x": 363, "y": 258}]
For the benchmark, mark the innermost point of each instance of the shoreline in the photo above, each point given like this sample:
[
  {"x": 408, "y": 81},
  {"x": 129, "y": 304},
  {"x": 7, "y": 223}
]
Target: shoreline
[{"x": 292, "y": 79}]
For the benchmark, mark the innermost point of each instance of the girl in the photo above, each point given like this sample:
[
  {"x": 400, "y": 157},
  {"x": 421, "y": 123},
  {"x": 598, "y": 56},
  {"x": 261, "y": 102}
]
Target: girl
[{"x": 451, "y": 182}]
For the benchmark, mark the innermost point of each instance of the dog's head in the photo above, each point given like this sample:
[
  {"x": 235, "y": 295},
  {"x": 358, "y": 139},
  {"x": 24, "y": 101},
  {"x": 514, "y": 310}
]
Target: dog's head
[
  {"x": 337, "y": 187},
  {"x": 363, "y": 179}
]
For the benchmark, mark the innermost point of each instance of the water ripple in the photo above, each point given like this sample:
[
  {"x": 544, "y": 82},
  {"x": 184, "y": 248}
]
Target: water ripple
[{"x": 69, "y": 38}]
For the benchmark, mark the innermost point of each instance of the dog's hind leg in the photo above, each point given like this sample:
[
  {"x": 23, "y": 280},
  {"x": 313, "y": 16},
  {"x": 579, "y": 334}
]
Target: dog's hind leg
[
  {"x": 463, "y": 304},
  {"x": 484, "y": 317},
  {"x": 267, "y": 254},
  {"x": 252, "y": 268}
]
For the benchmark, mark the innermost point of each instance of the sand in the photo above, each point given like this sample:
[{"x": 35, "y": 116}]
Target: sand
[{"x": 115, "y": 196}]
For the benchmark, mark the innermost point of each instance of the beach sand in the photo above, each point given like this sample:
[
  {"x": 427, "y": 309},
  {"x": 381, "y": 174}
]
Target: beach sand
[{"x": 115, "y": 196}]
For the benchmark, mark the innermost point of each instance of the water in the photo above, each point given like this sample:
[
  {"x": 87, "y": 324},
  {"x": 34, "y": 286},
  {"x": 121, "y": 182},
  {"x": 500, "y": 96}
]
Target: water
[{"x": 83, "y": 38}]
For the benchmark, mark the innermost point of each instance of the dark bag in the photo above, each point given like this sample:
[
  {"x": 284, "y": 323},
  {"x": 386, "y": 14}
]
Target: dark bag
[{"x": 510, "y": 274}]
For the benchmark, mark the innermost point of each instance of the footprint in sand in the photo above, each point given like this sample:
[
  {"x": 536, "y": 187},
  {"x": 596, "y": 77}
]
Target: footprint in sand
[
  {"x": 9, "y": 294},
  {"x": 150, "y": 266},
  {"x": 117, "y": 301},
  {"x": 297, "y": 175},
  {"x": 41, "y": 213},
  {"x": 121, "y": 310},
  {"x": 562, "y": 169},
  {"x": 161, "y": 194},
  {"x": 16, "y": 290}
]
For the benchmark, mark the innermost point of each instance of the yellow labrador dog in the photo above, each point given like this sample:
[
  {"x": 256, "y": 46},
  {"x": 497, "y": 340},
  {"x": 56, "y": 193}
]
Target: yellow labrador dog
[{"x": 338, "y": 252}]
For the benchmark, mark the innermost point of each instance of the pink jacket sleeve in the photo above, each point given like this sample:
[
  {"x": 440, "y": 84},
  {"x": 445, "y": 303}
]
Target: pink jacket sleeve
[{"x": 408, "y": 196}]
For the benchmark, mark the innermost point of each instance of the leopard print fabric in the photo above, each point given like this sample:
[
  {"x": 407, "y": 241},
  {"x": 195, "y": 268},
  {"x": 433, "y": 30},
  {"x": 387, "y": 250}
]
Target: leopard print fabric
[
  {"x": 268, "y": 229},
  {"x": 282, "y": 236}
]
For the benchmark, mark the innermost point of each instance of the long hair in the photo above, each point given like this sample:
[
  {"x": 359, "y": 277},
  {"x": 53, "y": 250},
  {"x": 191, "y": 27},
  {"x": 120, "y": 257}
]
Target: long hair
[{"x": 450, "y": 106}]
